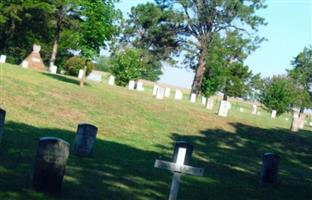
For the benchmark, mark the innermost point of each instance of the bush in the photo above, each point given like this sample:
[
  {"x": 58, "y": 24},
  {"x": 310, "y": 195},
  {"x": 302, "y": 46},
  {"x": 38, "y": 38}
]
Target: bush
[{"x": 75, "y": 63}]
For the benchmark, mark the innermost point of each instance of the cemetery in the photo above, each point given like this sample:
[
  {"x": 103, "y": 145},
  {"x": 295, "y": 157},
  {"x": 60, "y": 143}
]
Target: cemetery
[{"x": 96, "y": 103}]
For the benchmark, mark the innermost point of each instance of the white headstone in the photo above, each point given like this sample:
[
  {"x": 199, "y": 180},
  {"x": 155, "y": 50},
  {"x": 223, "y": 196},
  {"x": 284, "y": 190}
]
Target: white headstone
[
  {"x": 53, "y": 69},
  {"x": 193, "y": 98},
  {"x": 140, "y": 86},
  {"x": 167, "y": 92},
  {"x": 241, "y": 109},
  {"x": 80, "y": 74},
  {"x": 111, "y": 80},
  {"x": 178, "y": 95},
  {"x": 209, "y": 104},
  {"x": 2, "y": 59},
  {"x": 254, "y": 109},
  {"x": 296, "y": 115},
  {"x": 95, "y": 76},
  {"x": 286, "y": 119},
  {"x": 310, "y": 123},
  {"x": 36, "y": 48},
  {"x": 224, "y": 108},
  {"x": 25, "y": 64},
  {"x": 203, "y": 100},
  {"x": 155, "y": 89},
  {"x": 273, "y": 115},
  {"x": 131, "y": 85},
  {"x": 181, "y": 156},
  {"x": 160, "y": 93}
]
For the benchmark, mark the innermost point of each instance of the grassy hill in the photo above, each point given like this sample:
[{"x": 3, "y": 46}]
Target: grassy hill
[{"x": 134, "y": 130}]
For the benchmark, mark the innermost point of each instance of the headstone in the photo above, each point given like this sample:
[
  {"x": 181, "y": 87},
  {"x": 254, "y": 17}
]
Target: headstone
[
  {"x": 269, "y": 169},
  {"x": 178, "y": 95},
  {"x": 180, "y": 165},
  {"x": 224, "y": 108},
  {"x": 209, "y": 104},
  {"x": 167, "y": 92},
  {"x": 160, "y": 93},
  {"x": 273, "y": 115},
  {"x": 111, "y": 80},
  {"x": 193, "y": 98},
  {"x": 286, "y": 119},
  {"x": 2, "y": 59},
  {"x": 50, "y": 162},
  {"x": 25, "y": 64},
  {"x": 203, "y": 100},
  {"x": 85, "y": 139},
  {"x": 140, "y": 86},
  {"x": 53, "y": 69},
  {"x": 254, "y": 109},
  {"x": 95, "y": 76},
  {"x": 2, "y": 119},
  {"x": 34, "y": 59},
  {"x": 241, "y": 109},
  {"x": 131, "y": 85},
  {"x": 310, "y": 123},
  {"x": 155, "y": 89},
  {"x": 80, "y": 74}
]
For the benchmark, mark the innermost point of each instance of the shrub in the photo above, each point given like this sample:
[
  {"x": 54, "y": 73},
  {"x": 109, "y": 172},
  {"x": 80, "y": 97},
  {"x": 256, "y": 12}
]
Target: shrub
[{"x": 75, "y": 63}]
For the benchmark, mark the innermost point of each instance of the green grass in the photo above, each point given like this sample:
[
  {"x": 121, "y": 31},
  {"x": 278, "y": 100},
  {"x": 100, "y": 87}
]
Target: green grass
[{"x": 134, "y": 130}]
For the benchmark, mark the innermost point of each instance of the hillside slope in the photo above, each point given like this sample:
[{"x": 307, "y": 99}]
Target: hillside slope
[{"x": 134, "y": 130}]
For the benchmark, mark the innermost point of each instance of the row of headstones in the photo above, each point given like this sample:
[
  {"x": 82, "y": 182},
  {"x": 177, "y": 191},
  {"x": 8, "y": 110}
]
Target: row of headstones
[{"x": 52, "y": 154}]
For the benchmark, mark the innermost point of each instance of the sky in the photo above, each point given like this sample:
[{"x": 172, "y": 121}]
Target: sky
[{"x": 289, "y": 30}]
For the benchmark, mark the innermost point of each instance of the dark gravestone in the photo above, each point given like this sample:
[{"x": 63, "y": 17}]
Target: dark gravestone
[
  {"x": 189, "y": 150},
  {"x": 50, "y": 161},
  {"x": 85, "y": 139},
  {"x": 269, "y": 169},
  {"x": 2, "y": 119}
]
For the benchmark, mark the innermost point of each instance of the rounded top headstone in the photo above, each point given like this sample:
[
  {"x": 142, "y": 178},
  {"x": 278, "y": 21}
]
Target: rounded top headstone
[
  {"x": 87, "y": 125},
  {"x": 54, "y": 139},
  {"x": 36, "y": 48}
]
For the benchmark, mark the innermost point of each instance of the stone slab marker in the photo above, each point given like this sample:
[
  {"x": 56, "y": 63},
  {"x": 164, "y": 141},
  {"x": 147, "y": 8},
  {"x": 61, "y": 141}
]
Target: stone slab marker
[
  {"x": 180, "y": 165},
  {"x": 111, "y": 80},
  {"x": 2, "y": 59},
  {"x": 2, "y": 120},
  {"x": 155, "y": 89},
  {"x": 241, "y": 109},
  {"x": 209, "y": 104},
  {"x": 269, "y": 169},
  {"x": 193, "y": 98},
  {"x": 53, "y": 69},
  {"x": 167, "y": 92},
  {"x": 95, "y": 76},
  {"x": 140, "y": 86},
  {"x": 25, "y": 64},
  {"x": 160, "y": 93},
  {"x": 224, "y": 108},
  {"x": 254, "y": 109},
  {"x": 50, "y": 162},
  {"x": 203, "y": 100},
  {"x": 178, "y": 95},
  {"x": 131, "y": 85},
  {"x": 80, "y": 74},
  {"x": 85, "y": 139},
  {"x": 273, "y": 114}
]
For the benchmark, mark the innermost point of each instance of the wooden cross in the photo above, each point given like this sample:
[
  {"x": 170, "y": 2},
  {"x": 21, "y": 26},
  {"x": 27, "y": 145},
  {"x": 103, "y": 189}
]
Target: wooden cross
[{"x": 181, "y": 157}]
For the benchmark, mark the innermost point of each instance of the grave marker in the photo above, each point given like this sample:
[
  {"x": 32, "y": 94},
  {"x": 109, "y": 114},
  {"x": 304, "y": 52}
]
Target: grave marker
[
  {"x": 140, "y": 86},
  {"x": 209, "y": 104},
  {"x": 193, "y": 98},
  {"x": 25, "y": 64},
  {"x": 155, "y": 89},
  {"x": 160, "y": 93},
  {"x": 53, "y": 69},
  {"x": 224, "y": 108},
  {"x": 80, "y": 74},
  {"x": 85, "y": 139},
  {"x": 180, "y": 165},
  {"x": 50, "y": 162},
  {"x": 95, "y": 76},
  {"x": 131, "y": 85},
  {"x": 178, "y": 95},
  {"x": 254, "y": 109},
  {"x": 269, "y": 169},
  {"x": 203, "y": 100},
  {"x": 2, "y": 59},
  {"x": 273, "y": 115},
  {"x": 111, "y": 80},
  {"x": 2, "y": 120},
  {"x": 241, "y": 109},
  {"x": 167, "y": 92}
]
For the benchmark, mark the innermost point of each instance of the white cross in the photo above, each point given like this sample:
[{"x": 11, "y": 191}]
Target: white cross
[{"x": 178, "y": 168}]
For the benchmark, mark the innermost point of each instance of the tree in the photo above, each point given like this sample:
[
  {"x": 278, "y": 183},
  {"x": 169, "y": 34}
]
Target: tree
[
  {"x": 278, "y": 94},
  {"x": 201, "y": 20},
  {"x": 127, "y": 65}
]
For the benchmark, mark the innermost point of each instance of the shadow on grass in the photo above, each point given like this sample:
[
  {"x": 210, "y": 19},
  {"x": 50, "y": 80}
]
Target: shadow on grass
[
  {"x": 63, "y": 78},
  {"x": 116, "y": 171}
]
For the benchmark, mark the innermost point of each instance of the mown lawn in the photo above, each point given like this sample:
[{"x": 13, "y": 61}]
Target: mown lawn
[{"x": 134, "y": 130}]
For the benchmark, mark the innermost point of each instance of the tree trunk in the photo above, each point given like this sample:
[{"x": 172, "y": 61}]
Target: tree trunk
[{"x": 201, "y": 67}]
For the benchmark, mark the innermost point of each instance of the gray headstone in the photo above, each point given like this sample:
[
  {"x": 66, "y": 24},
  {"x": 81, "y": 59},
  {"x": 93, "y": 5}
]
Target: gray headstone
[
  {"x": 131, "y": 85},
  {"x": 224, "y": 108},
  {"x": 85, "y": 139},
  {"x": 50, "y": 162},
  {"x": 269, "y": 169},
  {"x": 95, "y": 76},
  {"x": 2, "y": 119},
  {"x": 254, "y": 109}
]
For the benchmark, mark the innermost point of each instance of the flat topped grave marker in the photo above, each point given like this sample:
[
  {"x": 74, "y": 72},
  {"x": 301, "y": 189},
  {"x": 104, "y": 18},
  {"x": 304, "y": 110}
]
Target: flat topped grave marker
[
  {"x": 2, "y": 59},
  {"x": 85, "y": 139},
  {"x": 2, "y": 119},
  {"x": 181, "y": 158}
]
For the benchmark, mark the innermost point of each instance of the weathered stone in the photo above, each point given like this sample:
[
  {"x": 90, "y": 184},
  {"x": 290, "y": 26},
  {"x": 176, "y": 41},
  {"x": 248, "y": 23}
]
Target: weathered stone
[
  {"x": 2, "y": 120},
  {"x": 53, "y": 69},
  {"x": 273, "y": 114},
  {"x": 209, "y": 104},
  {"x": 178, "y": 95},
  {"x": 131, "y": 85},
  {"x": 193, "y": 98},
  {"x": 167, "y": 92},
  {"x": 254, "y": 109},
  {"x": 203, "y": 100},
  {"x": 269, "y": 169},
  {"x": 140, "y": 86},
  {"x": 160, "y": 93},
  {"x": 85, "y": 139},
  {"x": 111, "y": 80},
  {"x": 155, "y": 89},
  {"x": 224, "y": 108},
  {"x": 25, "y": 64},
  {"x": 80, "y": 73},
  {"x": 2, "y": 59},
  {"x": 95, "y": 76},
  {"x": 50, "y": 162}
]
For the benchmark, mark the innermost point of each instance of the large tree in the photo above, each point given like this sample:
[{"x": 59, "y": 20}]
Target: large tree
[{"x": 201, "y": 19}]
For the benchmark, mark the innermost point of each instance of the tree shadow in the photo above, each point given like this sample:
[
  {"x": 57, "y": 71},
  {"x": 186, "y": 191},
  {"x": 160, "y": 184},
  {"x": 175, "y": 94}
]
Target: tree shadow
[
  {"x": 232, "y": 162},
  {"x": 64, "y": 78},
  {"x": 116, "y": 171}
]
